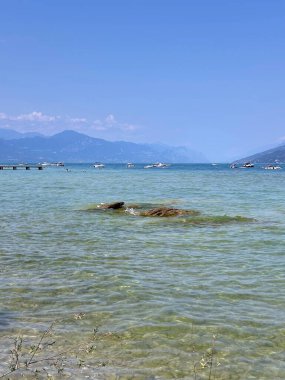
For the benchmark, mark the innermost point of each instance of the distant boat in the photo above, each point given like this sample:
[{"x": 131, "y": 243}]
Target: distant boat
[
  {"x": 247, "y": 165},
  {"x": 234, "y": 166},
  {"x": 160, "y": 165},
  {"x": 272, "y": 167},
  {"x": 156, "y": 165},
  {"x": 130, "y": 165},
  {"x": 52, "y": 164},
  {"x": 98, "y": 165}
]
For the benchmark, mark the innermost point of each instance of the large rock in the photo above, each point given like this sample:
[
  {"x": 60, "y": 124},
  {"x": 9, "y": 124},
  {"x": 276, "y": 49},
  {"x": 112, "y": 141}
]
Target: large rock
[{"x": 166, "y": 211}]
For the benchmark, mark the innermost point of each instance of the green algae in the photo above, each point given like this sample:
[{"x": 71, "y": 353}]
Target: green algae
[
  {"x": 202, "y": 220},
  {"x": 219, "y": 219}
]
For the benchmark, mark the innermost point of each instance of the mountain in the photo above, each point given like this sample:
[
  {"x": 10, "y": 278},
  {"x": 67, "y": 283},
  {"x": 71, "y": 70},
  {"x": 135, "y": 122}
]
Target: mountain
[
  {"x": 71, "y": 146},
  {"x": 9, "y": 134},
  {"x": 268, "y": 156}
]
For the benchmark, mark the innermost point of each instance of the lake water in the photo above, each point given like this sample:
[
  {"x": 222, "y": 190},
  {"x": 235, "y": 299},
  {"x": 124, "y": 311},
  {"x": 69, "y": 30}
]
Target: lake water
[{"x": 192, "y": 297}]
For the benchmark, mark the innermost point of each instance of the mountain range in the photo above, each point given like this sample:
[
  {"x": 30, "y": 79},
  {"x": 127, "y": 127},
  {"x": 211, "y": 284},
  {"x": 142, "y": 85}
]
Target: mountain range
[{"x": 71, "y": 146}]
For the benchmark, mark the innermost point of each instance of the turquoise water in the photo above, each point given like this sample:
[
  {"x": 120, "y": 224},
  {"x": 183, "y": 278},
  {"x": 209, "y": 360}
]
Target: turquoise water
[{"x": 156, "y": 290}]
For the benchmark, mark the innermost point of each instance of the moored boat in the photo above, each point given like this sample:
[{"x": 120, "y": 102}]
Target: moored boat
[
  {"x": 98, "y": 165},
  {"x": 51, "y": 164},
  {"x": 247, "y": 165},
  {"x": 156, "y": 165},
  {"x": 272, "y": 167},
  {"x": 160, "y": 165}
]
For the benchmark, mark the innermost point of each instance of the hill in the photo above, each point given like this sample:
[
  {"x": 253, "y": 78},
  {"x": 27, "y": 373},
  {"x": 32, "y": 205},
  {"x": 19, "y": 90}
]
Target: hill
[
  {"x": 268, "y": 156},
  {"x": 71, "y": 146}
]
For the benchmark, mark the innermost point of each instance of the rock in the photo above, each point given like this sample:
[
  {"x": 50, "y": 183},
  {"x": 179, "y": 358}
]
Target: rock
[
  {"x": 113, "y": 206},
  {"x": 166, "y": 211}
]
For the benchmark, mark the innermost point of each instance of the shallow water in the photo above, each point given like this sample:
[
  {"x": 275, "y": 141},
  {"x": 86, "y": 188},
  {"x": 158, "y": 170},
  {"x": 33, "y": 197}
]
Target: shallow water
[{"x": 156, "y": 289}]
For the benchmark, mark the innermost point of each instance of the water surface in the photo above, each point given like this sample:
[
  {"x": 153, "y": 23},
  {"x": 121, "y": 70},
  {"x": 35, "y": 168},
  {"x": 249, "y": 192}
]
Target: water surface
[{"x": 156, "y": 290}]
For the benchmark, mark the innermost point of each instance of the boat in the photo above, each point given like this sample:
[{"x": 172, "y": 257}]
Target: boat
[
  {"x": 98, "y": 165},
  {"x": 160, "y": 165},
  {"x": 52, "y": 164},
  {"x": 130, "y": 165},
  {"x": 156, "y": 165},
  {"x": 247, "y": 165},
  {"x": 234, "y": 166},
  {"x": 272, "y": 167}
]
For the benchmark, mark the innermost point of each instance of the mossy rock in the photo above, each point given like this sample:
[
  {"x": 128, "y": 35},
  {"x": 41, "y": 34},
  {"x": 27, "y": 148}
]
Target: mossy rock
[{"x": 166, "y": 212}]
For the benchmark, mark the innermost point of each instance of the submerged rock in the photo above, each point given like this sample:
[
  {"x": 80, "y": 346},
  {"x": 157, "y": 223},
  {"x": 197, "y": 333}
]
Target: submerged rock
[
  {"x": 166, "y": 211},
  {"x": 113, "y": 206},
  {"x": 176, "y": 215}
]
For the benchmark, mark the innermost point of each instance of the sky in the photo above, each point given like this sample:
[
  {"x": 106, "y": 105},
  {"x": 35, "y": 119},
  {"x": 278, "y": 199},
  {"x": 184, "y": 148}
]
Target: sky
[{"x": 206, "y": 74}]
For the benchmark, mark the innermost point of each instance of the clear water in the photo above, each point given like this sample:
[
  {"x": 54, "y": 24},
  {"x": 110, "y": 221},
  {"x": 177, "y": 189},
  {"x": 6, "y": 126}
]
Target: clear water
[{"x": 156, "y": 289}]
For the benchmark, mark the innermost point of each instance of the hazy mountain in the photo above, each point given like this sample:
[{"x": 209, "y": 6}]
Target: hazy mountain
[
  {"x": 9, "y": 134},
  {"x": 70, "y": 146},
  {"x": 268, "y": 156}
]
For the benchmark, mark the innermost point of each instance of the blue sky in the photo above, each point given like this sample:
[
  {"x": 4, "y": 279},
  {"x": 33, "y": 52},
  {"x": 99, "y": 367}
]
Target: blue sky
[{"x": 208, "y": 74}]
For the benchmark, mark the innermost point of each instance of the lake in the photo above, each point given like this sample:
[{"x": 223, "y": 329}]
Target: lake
[{"x": 135, "y": 297}]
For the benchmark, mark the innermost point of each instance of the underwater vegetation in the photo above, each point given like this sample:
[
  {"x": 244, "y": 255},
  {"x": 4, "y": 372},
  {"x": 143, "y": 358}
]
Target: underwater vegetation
[{"x": 150, "y": 210}]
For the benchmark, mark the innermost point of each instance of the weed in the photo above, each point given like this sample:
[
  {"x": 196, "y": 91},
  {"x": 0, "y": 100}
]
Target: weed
[{"x": 39, "y": 357}]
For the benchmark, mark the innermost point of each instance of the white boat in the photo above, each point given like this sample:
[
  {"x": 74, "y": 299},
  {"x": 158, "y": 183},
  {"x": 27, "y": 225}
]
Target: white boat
[
  {"x": 247, "y": 165},
  {"x": 98, "y": 165},
  {"x": 272, "y": 167},
  {"x": 130, "y": 165},
  {"x": 51, "y": 164},
  {"x": 56, "y": 164},
  {"x": 234, "y": 166},
  {"x": 160, "y": 165},
  {"x": 156, "y": 165}
]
